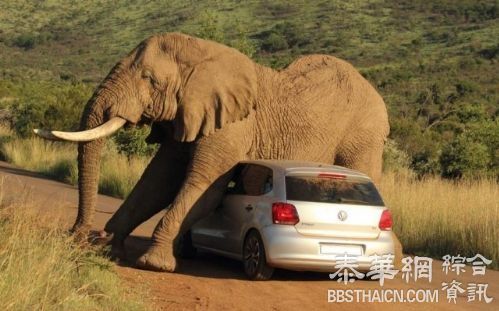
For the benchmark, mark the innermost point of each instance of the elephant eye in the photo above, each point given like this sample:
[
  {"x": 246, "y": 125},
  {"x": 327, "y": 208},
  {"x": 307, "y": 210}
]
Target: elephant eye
[{"x": 146, "y": 74}]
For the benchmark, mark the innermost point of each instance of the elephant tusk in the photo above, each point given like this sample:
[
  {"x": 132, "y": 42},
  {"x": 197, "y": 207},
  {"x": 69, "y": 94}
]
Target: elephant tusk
[{"x": 100, "y": 131}]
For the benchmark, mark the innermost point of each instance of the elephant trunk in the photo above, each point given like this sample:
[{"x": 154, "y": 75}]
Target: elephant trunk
[
  {"x": 89, "y": 154},
  {"x": 110, "y": 107}
]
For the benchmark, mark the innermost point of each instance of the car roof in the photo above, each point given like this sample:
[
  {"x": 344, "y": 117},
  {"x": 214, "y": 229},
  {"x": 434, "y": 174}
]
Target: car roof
[{"x": 291, "y": 166}]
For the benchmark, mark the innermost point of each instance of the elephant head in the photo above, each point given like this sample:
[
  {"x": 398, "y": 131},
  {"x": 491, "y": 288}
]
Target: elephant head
[{"x": 195, "y": 84}]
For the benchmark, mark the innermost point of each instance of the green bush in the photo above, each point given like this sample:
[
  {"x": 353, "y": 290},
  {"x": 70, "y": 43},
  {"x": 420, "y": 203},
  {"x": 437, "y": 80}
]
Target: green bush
[
  {"x": 489, "y": 53},
  {"x": 241, "y": 41},
  {"x": 274, "y": 42},
  {"x": 26, "y": 118},
  {"x": 131, "y": 142},
  {"x": 293, "y": 32},
  {"x": 487, "y": 133},
  {"x": 464, "y": 158},
  {"x": 25, "y": 41},
  {"x": 466, "y": 87},
  {"x": 394, "y": 159},
  {"x": 45, "y": 104},
  {"x": 425, "y": 163},
  {"x": 283, "y": 36},
  {"x": 211, "y": 27},
  {"x": 278, "y": 8}
]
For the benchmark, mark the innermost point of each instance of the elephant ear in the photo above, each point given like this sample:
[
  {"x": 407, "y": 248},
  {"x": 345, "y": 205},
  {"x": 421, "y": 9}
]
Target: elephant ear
[{"x": 219, "y": 90}]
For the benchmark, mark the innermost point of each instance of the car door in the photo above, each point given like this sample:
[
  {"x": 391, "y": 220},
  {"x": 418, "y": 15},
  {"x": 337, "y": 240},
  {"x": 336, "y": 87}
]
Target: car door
[
  {"x": 211, "y": 231},
  {"x": 222, "y": 230},
  {"x": 242, "y": 203}
]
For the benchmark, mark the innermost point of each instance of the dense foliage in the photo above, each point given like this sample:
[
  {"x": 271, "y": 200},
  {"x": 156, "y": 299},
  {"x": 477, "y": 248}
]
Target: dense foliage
[{"x": 434, "y": 62}]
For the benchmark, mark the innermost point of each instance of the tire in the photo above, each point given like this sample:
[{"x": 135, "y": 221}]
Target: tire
[
  {"x": 185, "y": 248},
  {"x": 254, "y": 260}
]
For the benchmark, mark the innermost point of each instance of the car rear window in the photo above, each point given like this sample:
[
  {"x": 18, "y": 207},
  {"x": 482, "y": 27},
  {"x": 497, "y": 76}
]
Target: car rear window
[{"x": 329, "y": 190}]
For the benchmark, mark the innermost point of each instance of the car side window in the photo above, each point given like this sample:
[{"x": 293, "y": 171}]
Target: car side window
[
  {"x": 234, "y": 185},
  {"x": 250, "y": 179}
]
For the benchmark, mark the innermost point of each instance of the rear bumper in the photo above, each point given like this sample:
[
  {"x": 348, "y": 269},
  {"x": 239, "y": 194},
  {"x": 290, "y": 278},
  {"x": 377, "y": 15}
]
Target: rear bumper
[{"x": 286, "y": 248}]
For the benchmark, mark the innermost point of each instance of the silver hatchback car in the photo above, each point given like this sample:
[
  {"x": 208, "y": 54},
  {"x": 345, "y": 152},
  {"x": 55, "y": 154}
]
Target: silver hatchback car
[{"x": 297, "y": 216}]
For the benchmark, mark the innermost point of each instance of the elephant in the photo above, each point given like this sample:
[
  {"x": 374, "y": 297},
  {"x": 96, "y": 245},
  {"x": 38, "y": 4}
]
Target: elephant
[{"x": 210, "y": 106}]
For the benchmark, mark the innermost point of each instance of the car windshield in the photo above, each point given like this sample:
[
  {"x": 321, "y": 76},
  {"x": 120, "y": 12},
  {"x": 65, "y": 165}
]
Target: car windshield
[{"x": 328, "y": 190}]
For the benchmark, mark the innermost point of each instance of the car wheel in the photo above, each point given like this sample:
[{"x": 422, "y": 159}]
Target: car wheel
[
  {"x": 254, "y": 261},
  {"x": 185, "y": 248}
]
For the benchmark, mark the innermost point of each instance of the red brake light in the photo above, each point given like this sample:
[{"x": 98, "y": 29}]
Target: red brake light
[
  {"x": 386, "y": 222},
  {"x": 332, "y": 175},
  {"x": 284, "y": 214}
]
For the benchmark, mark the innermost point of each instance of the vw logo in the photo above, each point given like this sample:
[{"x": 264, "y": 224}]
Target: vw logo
[{"x": 342, "y": 215}]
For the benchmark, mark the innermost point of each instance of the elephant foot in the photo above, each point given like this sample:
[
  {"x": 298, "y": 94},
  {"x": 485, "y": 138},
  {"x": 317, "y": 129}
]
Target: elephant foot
[
  {"x": 80, "y": 232},
  {"x": 156, "y": 260},
  {"x": 117, "y": 252},
  {"x": 102, "y": 238}
]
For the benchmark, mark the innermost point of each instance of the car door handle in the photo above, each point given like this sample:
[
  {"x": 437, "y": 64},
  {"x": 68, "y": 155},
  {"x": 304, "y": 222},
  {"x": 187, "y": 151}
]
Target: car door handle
[{"x": 249, "y": 207}]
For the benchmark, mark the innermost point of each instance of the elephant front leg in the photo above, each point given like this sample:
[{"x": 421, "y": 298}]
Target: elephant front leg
[
  {"x": 201, "y": 193},
  {"x": 155, "y": 190},
  {"x": 194, "y": 202}
]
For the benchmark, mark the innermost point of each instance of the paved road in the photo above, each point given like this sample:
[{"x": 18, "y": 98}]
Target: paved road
[{"x": 215, "y": 283}]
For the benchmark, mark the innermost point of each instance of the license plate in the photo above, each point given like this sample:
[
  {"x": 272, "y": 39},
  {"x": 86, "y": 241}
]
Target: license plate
[{"x": 341, "y": 249}]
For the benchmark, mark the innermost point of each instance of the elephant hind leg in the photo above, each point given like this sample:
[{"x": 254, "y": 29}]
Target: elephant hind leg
[{"x": 364, "y": 155}]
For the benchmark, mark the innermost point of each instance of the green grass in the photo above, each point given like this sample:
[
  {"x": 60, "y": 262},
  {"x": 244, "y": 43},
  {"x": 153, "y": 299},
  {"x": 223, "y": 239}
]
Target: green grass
[
  {"x": 58, "y": 161},
  {"x": 86, "y": 38},
  {"x": 42, "y": 268}
]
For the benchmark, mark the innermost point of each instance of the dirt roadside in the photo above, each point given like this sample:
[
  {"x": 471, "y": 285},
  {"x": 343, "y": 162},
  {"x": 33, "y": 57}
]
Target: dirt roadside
[{"x": 210, "y": 282}]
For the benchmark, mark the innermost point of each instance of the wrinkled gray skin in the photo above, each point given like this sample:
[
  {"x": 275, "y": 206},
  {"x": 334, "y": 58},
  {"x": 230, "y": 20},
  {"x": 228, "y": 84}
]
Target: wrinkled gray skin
[{"x": 212, "y": 107}]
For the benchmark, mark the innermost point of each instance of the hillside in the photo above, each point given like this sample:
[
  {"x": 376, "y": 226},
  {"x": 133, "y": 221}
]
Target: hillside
[{"x": 435, "y": 63}]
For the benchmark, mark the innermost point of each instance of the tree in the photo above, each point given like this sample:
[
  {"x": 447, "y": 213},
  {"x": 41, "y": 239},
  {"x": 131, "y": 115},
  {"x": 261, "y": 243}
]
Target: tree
[
  {"x": 394, "y": 159},
  {"x": 464, "y": 157}
]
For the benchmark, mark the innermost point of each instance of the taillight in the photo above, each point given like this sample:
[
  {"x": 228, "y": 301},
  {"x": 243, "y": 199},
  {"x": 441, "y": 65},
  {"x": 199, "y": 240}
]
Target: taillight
[
  {"x": 385, "y": 222},
  {"x": 284, "y": 214}
]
